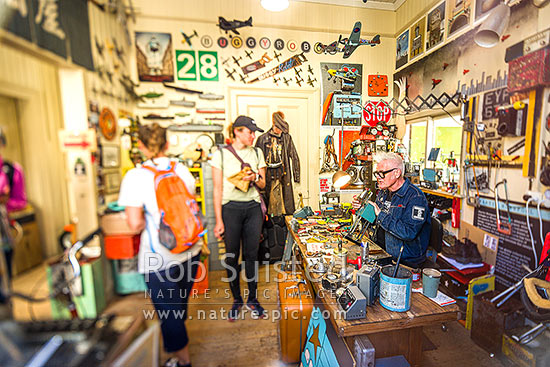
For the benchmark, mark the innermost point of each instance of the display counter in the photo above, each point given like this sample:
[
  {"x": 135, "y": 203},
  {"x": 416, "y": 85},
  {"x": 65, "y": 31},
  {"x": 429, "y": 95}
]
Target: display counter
[{"x": 391, "y": 333}]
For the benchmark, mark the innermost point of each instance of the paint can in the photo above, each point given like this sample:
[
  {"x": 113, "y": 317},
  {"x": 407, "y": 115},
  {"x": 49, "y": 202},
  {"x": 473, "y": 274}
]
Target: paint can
[{"x": 395, "y": 293}]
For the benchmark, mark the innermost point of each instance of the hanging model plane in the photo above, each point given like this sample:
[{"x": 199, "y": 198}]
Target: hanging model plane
[
  {"x": 349, "y": 44},
  {"x": 286, "y": 81},
  {"x": 187, "y": 38},
  {"x": 231, "y": 26},
  {"x": 355, "y": 40},
  {"x": 277, "y": 55},
  {"x": 299, "y": 81},
  {"x": 249, "y": 54},
  {"x": 311, "y": 81}
]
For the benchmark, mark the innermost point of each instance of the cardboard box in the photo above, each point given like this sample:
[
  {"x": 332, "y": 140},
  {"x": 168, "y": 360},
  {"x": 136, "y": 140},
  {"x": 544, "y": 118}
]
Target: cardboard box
[
  {"x": 115, "y": 224},
  {"x": 487, "y": 244}
]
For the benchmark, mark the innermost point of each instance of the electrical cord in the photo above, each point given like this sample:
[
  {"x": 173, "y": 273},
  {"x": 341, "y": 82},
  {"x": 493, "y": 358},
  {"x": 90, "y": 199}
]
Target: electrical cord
[{"x": 529, "y": 229}]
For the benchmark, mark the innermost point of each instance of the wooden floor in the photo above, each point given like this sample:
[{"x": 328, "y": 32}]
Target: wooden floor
[{"x": 248, "y": 342}]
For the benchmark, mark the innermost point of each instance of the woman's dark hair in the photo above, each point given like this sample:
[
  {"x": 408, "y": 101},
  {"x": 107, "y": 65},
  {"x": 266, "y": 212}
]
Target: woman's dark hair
[{"x": 153, "y": 136}]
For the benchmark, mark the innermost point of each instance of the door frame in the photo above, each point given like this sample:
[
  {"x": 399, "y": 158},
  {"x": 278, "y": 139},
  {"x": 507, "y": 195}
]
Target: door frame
[{"x": 309, "y": 172}]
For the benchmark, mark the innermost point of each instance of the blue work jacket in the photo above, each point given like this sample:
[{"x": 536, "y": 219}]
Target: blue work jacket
[{"x": 405, "y": 220}]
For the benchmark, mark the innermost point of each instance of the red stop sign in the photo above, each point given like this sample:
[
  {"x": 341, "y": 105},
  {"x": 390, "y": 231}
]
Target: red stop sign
[{"x": 376, "y": 112}]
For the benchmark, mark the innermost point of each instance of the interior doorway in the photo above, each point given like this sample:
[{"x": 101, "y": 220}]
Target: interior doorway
[{"x": 301, "y": 113}]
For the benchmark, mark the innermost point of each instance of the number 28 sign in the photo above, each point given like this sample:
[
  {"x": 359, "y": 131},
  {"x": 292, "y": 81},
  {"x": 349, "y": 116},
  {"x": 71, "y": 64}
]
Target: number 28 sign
[
  {"x": 375, "y": 112},
  {"x": 201, "y": 65}
]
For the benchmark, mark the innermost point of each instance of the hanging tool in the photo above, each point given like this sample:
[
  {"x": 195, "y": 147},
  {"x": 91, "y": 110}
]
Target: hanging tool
[
  {"x": 471, "y": 200},
  {"x": 505, "y": 228}
]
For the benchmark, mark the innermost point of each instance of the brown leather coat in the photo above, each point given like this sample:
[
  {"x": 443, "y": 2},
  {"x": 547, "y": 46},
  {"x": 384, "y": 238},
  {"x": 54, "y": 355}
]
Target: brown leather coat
[{"x": 286, "y": 171}]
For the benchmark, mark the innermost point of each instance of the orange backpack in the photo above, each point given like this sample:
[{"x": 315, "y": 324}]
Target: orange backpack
[{"x": 181, "y": 220}]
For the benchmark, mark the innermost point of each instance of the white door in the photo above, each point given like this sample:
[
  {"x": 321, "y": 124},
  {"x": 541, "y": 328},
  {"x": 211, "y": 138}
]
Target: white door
[{"x": 301, "y": 109}]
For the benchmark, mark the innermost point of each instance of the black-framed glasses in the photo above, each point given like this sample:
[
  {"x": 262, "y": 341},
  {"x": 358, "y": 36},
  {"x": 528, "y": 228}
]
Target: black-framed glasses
[{"x": 382, "y": 174}]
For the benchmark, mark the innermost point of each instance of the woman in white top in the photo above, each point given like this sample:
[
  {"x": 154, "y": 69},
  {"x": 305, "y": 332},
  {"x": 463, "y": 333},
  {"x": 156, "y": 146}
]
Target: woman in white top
[
  {"x": 169, "y": 276},
  {"x": 239, "y": 216}
]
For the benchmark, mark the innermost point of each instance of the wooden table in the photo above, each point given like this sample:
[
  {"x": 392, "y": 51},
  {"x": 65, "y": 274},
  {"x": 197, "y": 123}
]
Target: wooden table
[{"x": 391, "y": 333}]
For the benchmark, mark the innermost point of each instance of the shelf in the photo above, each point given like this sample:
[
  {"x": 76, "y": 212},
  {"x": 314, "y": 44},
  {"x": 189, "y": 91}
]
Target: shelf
[
  {"x": 441, "y": 193},
  {"x": 196, "y": 127}
]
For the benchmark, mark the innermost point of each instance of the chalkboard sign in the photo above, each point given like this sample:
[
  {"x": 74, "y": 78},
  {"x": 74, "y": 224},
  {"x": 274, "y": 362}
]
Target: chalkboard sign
[
  {"x": 513, "y": 250},
  {"x": 492, "y": 100}
]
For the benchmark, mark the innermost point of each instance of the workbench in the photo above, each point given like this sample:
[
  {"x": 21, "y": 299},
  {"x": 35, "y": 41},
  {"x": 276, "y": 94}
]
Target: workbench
[{"x": 391, "y": 333}]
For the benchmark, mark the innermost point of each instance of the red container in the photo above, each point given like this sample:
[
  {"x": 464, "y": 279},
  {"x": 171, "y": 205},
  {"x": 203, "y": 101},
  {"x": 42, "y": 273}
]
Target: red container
[
  {"x": 121, "y": 247},
  {"x": 529, "y": 71}
]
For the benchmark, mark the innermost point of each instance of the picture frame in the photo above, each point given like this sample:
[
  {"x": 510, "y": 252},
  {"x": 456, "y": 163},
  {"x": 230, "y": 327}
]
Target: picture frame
[
  {"x": 110, "y": 156},
  {"x": 112, "y": 181}
]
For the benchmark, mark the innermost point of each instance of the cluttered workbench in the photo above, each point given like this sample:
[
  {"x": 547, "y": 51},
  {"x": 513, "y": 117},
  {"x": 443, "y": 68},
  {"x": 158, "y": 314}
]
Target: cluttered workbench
[{"x": 391, "y": 333}]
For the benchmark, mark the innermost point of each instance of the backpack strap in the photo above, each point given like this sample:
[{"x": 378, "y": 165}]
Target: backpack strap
[{"x": 152, "y": 169}]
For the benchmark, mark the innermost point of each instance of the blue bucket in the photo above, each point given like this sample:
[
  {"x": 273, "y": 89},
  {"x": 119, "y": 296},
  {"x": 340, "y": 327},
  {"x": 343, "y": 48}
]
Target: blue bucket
[{"x": 395, "y": 293}]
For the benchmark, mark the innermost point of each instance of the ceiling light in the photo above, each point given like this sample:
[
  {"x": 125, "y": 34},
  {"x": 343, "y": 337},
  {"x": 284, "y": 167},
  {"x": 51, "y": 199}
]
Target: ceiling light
[
  {"x": 493, "y": 27},
  {"x": 275, "y": 5}
]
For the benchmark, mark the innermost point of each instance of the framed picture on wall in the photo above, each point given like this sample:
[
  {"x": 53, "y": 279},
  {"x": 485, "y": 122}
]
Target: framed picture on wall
[
  {"x": 111, "y": 181},
  {"x": 110, "y": 156},
  {"x": 435, "y": 26},
  {"x": 402, "y": 49},
  {"x": 417, "y": 35},
  {"x": 484, "y": 6},
  {"x": 459, "y": 15}
]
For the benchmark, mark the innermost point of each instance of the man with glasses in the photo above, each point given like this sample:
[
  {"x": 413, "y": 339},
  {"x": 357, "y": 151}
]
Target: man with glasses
[{"x": 402, "y": 212}]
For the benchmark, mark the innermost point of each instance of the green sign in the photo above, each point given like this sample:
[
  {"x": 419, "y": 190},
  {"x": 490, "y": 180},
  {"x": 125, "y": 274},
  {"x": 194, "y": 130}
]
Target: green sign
[
  {"x": 208, "y": 66},
  {"x": 185, "y": 65},
  {"x": 189, "y": 62}
]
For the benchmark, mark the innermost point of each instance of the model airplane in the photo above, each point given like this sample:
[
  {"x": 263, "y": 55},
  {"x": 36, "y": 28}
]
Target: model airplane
[
  {"x": 237, "y": 61},
  {"x": 299, "y": 81},
  {"x": 99, "y": 47},
  {"x": 349, "y": 44},
  {"x": 345, "y": 73},
  {"x": 249, "y": 54},
  {"x": 355, "y": 41},
  {"x": 119, "y": 51},
  {"x": 310, "y": 69},
  {"x": 187, "y": 38},
  {"x": 183, "y": 90},
  {"x": 286, "y": 81},
  {"x": 311, "y": 81},
  {"x": 277, "y": 55},
  {"x": 230, "y": 73},
  {"x": 243, "y": 78},
  {"x": 231, "y": 26},
  {"x": 298, "y": 71}
]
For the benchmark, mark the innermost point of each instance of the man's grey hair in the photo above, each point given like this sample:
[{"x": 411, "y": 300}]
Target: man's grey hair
[{"x": 395, "y": 158}]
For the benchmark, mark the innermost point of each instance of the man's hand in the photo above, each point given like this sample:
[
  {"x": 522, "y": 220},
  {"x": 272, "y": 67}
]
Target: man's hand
[
  {"x": 356, "y": 203},
  {"x": 376, "y": 208}
]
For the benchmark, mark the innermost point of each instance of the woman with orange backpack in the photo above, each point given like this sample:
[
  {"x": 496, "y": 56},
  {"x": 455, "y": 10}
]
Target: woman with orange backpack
[{"x": 159, "y": 202}]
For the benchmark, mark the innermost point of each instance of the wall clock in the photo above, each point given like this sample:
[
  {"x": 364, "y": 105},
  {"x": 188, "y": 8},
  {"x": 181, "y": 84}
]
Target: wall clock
[{"x": 378, "y": 85}]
